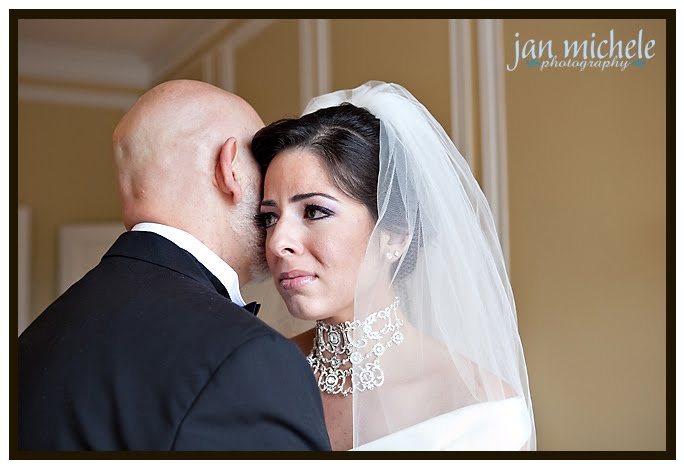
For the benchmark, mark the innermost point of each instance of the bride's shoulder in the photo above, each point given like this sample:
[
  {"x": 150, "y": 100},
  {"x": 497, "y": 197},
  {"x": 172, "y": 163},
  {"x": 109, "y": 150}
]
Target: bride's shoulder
[
  {"x": 304, "y": 341},
  {"x": 448, "y": 369}
]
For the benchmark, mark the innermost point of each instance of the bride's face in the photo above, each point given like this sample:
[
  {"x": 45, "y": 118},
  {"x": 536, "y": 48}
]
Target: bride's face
[{"x": 316, "y": 237}]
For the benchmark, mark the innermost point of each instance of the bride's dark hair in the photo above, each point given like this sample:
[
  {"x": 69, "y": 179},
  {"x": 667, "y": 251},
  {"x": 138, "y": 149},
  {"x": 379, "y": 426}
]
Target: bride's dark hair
[{"x": 345, "y": 137}]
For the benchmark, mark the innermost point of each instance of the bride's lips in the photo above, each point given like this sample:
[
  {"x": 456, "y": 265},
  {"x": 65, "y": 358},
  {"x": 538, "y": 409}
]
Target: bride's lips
[{"x": 295, "y": 279}]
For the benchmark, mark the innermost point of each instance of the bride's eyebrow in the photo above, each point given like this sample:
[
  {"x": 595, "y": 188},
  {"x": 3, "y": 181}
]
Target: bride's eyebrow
[
  {"x": 304, "y": 196},
  {"x": 299, "y": 197}
]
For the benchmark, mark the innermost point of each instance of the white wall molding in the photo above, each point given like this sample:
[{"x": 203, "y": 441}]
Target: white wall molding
[
  {"x": 76, "y": 97},
  {"x": 24, "y": 316},
  {"x": 247, "y": 31},
  {"x": 226, "y": 79},
  {"x": 314, "y": 59},
  {"x": 460, "y": 66},
  {"x": 171, "y": 54},
  {"x": 306, "y": 67},
  {"x": 208, "y": 67},
  {"x": 38, "y": 60},
  {"x": 81, "y": 247},
  {"x": 228, "y": 46},
  {"x": 493, "y": 125},
  {"x": 323, "y": 55}
]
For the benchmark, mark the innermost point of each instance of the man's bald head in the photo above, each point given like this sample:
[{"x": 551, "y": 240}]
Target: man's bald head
[
  {"x": 173, "y": 131},
  {"x": 167, "y": 152},
  {"x": 185, "y": 108}
]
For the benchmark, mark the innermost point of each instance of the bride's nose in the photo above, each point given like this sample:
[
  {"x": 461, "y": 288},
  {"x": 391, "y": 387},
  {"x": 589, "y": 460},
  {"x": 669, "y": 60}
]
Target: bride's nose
[{"x": 284, "y": 240}]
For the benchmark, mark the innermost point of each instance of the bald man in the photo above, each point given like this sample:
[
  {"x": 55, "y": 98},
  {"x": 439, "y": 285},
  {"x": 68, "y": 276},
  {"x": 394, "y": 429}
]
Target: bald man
[{"x": 153, "y": 349}]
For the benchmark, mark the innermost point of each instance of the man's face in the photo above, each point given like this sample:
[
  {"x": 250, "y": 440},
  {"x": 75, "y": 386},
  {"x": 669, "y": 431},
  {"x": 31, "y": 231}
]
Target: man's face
[{"x": 250, "y": 235}]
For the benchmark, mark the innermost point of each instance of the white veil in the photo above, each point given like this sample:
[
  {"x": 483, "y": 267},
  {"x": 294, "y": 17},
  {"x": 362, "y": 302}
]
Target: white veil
[{"x": 455, "y": 376}]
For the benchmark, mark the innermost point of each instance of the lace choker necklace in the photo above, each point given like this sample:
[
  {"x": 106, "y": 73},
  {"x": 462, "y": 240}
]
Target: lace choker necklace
[{"x": 339, "y": 360}]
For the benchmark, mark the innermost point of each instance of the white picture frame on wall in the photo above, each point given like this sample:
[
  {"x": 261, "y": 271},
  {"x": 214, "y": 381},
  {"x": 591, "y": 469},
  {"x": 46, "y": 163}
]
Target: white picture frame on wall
[
  {"x": 24, "y": 269},
  {"x": 81, "y": 247}
]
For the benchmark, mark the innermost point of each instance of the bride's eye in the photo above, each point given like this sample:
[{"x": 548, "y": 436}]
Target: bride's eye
[
  {"x": 313, "y": 212},
  {"x": 265, "y": 220}
]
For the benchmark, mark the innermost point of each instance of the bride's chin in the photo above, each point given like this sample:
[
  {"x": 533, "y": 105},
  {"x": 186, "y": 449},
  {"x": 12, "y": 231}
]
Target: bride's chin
[{"x": 302, "y": 312}]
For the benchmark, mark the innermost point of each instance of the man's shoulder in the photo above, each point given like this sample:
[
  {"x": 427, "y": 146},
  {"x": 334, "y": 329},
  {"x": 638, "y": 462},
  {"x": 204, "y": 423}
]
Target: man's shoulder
[
  {"x": 264, "y": 356},
  {"x": 249, "y": 333},
  {"x": 224, "y": 325}
]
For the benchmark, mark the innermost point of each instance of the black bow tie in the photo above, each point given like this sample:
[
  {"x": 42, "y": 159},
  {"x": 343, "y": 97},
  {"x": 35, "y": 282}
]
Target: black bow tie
[{"x": 253, "y": 308}]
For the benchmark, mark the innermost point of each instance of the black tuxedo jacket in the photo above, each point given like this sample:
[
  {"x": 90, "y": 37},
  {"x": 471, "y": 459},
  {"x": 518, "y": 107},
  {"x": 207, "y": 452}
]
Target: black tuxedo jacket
[{"x": 147, "y": 352}]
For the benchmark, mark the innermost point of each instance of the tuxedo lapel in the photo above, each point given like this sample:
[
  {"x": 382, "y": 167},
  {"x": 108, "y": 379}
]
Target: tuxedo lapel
[{"x": 153, "y": 248}]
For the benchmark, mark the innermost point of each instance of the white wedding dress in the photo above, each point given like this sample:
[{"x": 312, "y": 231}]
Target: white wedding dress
[{"x": 490, "y": 426}]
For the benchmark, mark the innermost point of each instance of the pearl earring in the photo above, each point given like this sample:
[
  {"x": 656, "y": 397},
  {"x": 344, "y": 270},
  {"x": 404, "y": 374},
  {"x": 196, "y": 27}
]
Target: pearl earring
[{"x": 391, "y": 255}]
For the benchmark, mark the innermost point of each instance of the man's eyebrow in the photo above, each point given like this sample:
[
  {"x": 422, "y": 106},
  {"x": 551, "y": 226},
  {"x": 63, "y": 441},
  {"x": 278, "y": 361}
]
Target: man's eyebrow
[{"x": 299, "y": 197}]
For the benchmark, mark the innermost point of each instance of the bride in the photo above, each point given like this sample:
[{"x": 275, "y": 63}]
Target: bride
[{"x": 377, "y": 230}]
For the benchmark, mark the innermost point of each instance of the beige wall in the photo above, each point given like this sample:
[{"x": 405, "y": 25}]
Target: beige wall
[
  {"x": 267, "y": 71},
  {"x": 388, "y": 50},
  {"x": 66, "y": 175},
  {"x": 586, "y": 165},
  {"x": 587, "y": 219}
]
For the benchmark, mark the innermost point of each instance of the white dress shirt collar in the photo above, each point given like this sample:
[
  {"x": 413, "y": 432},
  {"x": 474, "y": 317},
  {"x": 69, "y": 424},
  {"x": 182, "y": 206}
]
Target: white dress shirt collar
[{"x": 212, "y": 262}]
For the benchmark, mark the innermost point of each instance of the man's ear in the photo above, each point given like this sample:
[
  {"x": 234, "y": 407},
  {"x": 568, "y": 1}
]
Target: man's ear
[{"x": 225, "y": 170}]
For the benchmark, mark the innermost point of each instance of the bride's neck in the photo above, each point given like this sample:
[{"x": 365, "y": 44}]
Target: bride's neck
[{"x": 347, "y": 314}]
